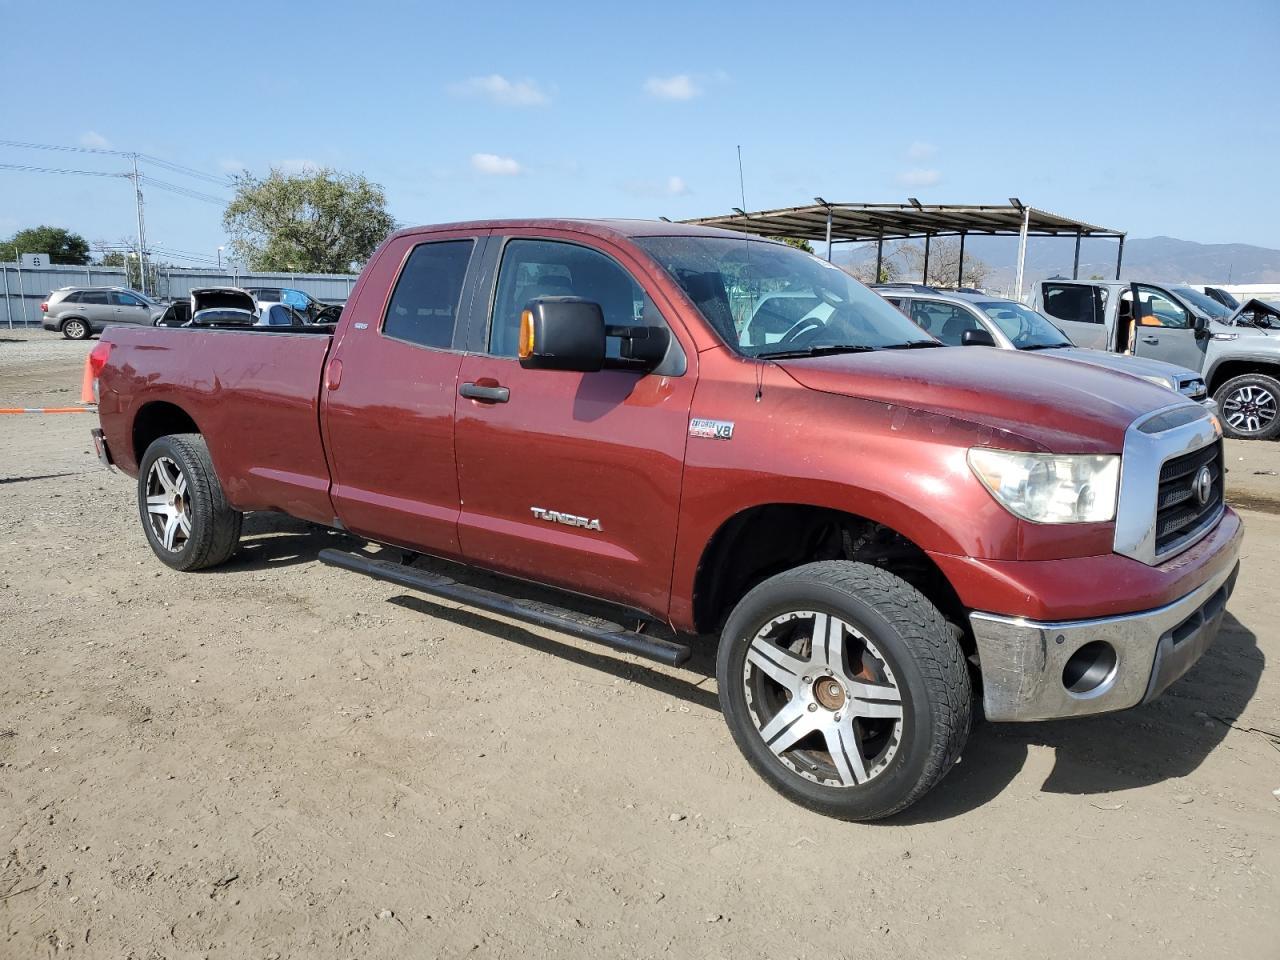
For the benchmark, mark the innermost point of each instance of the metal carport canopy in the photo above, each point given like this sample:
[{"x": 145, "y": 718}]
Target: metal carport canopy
[{"x": 864, "y": 222}]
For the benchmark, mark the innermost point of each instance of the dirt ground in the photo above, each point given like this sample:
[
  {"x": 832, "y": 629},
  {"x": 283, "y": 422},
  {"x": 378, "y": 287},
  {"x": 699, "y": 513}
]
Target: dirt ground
[{"x": 278, "y": 759}]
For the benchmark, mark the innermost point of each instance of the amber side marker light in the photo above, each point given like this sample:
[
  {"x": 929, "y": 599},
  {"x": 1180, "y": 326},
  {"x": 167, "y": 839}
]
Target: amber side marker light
[{"x": 526, "y": 335}]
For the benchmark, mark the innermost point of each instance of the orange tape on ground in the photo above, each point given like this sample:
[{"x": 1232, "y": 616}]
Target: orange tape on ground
[{"x": 48, "y": 409}]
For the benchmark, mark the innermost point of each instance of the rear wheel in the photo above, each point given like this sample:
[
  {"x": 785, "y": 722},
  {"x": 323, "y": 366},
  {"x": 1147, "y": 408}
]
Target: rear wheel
[
  {"x": 185, "y": 515},
  {"x": 1249, "y": 406},
  {"x": 844, "y": 688},
  {"x": 75, "y": 329}
]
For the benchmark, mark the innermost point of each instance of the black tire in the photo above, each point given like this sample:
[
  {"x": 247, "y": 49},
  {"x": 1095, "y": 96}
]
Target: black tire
[
  {"x": 1253, "y": 401},
  {"x": 76, "y": 329},
  {"x": 212, "y": 529},
  {"x": 895, "y": 630}
]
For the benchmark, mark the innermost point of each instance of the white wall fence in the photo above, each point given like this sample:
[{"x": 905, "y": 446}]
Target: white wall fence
[{"x": 24, "y": 290}]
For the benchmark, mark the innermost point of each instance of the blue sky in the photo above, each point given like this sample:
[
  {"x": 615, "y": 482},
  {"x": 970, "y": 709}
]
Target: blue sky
[{"x": 1125, "y": 114}]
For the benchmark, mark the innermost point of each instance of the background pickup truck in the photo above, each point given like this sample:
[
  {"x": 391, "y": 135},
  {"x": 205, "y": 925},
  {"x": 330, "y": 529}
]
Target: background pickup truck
[
  {"x": 874, "y": 527},
  {"x": 1236, "y": 354}
]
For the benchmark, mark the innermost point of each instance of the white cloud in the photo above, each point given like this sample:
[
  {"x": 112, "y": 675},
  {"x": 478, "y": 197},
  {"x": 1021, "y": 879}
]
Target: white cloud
[
  {"x": 678, "y": 87},
  {"x": 95, "y": 140},
  {"x": 920, "y": 177},
  {"x": 920, "y": 150},
  {"x": 494, "y": 165},
  {"x": 297, "y": 166},
  {"x": 672, "y": 186},
  {"x": 495, "y": 87}
]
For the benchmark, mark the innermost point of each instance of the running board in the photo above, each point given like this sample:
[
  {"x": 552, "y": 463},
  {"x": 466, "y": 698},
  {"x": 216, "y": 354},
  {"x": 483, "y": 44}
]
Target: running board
[{"x": 530, "y": 611}]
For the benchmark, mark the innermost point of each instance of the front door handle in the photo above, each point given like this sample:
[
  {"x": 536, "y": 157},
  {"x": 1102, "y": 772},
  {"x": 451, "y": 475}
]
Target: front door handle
[
  {"x": 1151, "y": 340},
  {"x": 474, "y": 391}
]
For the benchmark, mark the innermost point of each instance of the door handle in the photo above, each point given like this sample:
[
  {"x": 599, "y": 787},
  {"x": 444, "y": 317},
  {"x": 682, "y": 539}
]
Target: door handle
[
  {"x": 474, "y": 391},
  {"x": 1151, "y": 340}
]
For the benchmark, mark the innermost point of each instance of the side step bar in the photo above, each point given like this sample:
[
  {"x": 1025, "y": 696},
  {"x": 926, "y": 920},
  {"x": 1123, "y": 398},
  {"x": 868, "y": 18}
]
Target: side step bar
[{"x": 530, "y": 611}]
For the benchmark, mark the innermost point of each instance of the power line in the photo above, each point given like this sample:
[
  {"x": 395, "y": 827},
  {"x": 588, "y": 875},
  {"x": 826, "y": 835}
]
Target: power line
[
  {"x": 183, "y": 191},
  {"x": 28, "y": 168},
  {"x": 146, "y": 157}
]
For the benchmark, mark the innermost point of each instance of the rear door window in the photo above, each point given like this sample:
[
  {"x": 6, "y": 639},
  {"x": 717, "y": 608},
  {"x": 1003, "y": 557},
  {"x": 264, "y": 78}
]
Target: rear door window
[
  {"x": 94, "y": 296},
  {"x": 125, "y": 300},
  {"x": 1075, "y": 302},
  {"x": 424, "y": 306}
]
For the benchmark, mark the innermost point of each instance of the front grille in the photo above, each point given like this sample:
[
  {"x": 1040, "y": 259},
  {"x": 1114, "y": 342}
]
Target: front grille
[{"x": 1180, "y": 515}]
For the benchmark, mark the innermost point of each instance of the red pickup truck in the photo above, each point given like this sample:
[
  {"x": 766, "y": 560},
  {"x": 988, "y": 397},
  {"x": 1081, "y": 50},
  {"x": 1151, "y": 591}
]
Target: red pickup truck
[{"x": 723, "y": 435}]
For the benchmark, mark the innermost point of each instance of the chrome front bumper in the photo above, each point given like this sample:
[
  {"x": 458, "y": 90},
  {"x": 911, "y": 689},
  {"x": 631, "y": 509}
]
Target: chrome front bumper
[{"x": 1023, "y": 661}]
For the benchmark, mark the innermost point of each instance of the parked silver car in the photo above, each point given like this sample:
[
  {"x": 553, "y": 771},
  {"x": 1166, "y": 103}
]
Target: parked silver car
[
  {"x": 960, "y": 318},
  {"x": 78, "y": 312}
]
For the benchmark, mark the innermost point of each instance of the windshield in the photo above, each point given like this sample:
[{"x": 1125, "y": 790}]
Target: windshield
[
  {"x": 766, "y": 299},
  {"x": 1025, "y": 328},
  {"x": 1204, "y": 303}
]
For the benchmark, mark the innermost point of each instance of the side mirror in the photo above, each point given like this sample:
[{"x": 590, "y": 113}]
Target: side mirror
[
  {"x": 977, "y": 338},
  {"x": 562, "y": 333},
  {"x": 1201, "y": 325}
]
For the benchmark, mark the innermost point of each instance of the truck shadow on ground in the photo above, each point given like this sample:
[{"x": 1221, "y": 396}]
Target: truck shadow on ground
[
  {"x": 1164, "y": 740},
  {"x": 274, "y": 540},
  {"x": 1093, "y": 756}
]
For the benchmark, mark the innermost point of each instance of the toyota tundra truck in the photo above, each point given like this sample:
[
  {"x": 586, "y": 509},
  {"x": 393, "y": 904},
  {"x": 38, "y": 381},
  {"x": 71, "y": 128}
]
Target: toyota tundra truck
[{"x": 876, "y": 533}]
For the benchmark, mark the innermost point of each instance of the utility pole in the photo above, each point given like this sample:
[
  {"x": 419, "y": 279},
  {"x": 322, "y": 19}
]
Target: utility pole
[{"x": 142, "y": 232}]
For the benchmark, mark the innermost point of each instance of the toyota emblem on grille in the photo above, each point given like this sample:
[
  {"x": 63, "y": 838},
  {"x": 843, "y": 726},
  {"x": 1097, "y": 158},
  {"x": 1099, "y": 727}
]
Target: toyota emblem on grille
[{"x": 1203, "y": 485}]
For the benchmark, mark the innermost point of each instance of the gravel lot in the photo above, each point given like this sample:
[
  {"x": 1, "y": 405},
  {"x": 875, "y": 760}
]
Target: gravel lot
[{"x": 279, "y": 759}]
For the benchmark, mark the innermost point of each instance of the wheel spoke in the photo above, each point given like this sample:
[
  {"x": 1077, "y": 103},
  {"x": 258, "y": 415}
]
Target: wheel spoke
[
  {"x": 170, "y": 530},
  {"x": 876, "y": 709},
  {"x": 791, "y": 724},
  {"x": 784, "y": 668},
  {"x": 180, "y": 484},
  {"x": 158, "y": 503},
  {"x": 846, "y": 752},
  {"x": 184, "y": 524},
  {"x": 162, "y": 474},
  {"x": 828, "y": 637}
]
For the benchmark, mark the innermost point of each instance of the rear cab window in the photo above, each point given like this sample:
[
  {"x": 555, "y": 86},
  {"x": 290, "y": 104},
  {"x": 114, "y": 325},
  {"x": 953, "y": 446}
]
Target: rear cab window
[{"x": 424, "y": 305}]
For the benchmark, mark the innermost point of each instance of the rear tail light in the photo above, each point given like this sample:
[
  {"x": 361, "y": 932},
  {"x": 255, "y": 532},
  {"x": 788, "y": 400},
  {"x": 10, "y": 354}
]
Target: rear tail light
[
  {"x": 44, "y": 307},
  {"x": 93, "y": 365}
]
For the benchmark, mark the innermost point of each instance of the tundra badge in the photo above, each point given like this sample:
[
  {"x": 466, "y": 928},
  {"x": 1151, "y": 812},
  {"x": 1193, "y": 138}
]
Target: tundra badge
[
  {"x": 711, "y": 429},
  {"x": 568, "y": 519}
]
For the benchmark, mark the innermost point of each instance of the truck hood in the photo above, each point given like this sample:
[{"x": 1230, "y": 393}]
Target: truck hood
[
  {"x": 1123, "y": 363},
  {"x": 222, "y": 298},
  {"x": 1056, "y": 405}
]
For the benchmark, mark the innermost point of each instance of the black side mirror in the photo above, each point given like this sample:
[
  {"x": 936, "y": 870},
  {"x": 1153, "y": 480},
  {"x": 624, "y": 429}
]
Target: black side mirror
[
  {"x": 1201, "y": 325},
  {"x": 562, "y": 333},
  {"x": 977, "y": 338}
]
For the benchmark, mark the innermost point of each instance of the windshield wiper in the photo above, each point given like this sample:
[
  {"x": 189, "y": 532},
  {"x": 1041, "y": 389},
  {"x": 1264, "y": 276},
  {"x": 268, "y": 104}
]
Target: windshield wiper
[
  {"x": 1045, "y": 346},
  {"x": 914, "y": 345},
  {"x": 814, "y": 351}
]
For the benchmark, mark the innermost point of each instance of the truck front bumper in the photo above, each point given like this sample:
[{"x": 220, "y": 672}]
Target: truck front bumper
[{"x": 1033, "y": 670}]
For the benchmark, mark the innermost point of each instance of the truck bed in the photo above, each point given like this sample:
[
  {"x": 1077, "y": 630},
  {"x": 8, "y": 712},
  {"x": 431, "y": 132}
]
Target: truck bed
[{"x": 256, "y": 391}]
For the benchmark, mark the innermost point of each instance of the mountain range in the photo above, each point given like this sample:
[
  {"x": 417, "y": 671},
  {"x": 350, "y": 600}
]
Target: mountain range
[{"x": 1145, "y": 258}]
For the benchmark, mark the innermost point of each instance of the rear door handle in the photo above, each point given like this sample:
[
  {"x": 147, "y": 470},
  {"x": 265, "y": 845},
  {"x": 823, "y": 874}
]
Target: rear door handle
[
  {"x": 1152, "y": 340},
  {"x": 474, "y": 391}
]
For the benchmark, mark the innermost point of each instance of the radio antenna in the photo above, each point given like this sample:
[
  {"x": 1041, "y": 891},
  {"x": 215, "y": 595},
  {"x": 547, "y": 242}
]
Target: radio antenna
[{"x": 742, "y": 189}]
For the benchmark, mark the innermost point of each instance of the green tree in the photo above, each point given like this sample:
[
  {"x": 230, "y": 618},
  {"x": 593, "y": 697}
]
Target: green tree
[
  {"x": 799, "y": 244},
  {"x": 62, "y": 246},
  {"x": 323, "y": 221}
]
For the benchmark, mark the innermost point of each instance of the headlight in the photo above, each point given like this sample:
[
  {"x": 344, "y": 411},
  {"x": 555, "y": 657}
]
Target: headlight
[
  {"x": 1160, "y": 380},
  {"x": 1050, "y": 487}
]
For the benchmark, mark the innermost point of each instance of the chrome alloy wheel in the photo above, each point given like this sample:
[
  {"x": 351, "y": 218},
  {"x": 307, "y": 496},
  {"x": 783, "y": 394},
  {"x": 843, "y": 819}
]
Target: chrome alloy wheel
[
  {"x": 1249, "y": 408},
  {"x": 823, "y": 698},
  {"x": 168, "y": 504}
]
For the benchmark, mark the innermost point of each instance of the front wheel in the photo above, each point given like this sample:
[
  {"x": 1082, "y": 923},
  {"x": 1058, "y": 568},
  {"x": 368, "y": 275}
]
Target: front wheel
[
  {"x": 188, "y": 522},
  {"x": 844, "y": 688},
  {"x": 76, "y": 329},
  {"x": 1249, "y": 406}
]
